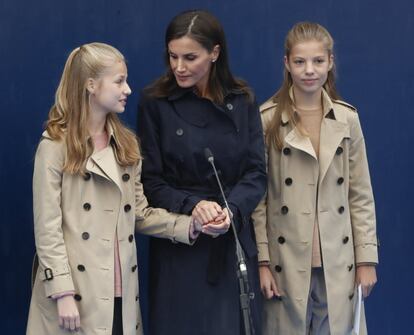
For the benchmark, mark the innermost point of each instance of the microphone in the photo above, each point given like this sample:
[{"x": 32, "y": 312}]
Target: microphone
[{"x": 242, "y": 276}]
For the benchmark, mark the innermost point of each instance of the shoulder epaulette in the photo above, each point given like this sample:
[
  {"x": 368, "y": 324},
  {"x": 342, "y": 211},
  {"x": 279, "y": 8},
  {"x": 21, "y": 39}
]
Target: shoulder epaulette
[{"x": 343, "y": 103}]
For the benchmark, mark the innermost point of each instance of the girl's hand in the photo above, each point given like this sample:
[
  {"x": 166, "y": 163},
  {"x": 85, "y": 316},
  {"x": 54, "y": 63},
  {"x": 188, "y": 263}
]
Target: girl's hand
[
  {"x": 366, "y": 275},
  {"x": 69, "y": 318},
  {"x": 206, "y": 211},
  {"x": 268, "y": 283},
  {"x": 218, "y": 226}
]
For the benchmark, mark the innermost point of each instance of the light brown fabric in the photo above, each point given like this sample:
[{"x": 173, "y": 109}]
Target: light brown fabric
[{"x": 311, "y": 122}]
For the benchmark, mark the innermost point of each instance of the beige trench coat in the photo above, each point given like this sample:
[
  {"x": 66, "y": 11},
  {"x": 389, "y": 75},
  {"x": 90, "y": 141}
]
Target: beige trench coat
[
  {"x": 75, "y": 221},
  {"x": 335, "y": 189}
]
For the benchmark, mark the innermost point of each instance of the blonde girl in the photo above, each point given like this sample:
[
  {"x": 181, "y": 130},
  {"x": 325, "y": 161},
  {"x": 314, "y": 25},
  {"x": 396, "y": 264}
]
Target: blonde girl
[
  {"x": 315, "y": 228},
  {"x": 88, "y": 201}
]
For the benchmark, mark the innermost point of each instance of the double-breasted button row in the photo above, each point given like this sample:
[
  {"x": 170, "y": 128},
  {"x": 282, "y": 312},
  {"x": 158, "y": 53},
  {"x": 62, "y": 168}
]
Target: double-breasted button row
[
  {"x": 85, "y": 235},
  {"x": 127, "y": 208},
  {"x": 341, "y": 209},
  {"x": 87, "y": 206},
  {"x": 350, "y": 267},
  {"x": 125, "y": 177},
  {"x": 340, "y": 181},
  {"x": 288, "y": 181},
  {"x": 77, "y": 297},
  {"x": 81, "y": 267},
  {"x": 278, "y": 268},
  {"x": 130, "y": 238},
  {"x": 345, "y": 240},
  {"x": 133, "y": 268},
  {"x": 339, "y": 151},
  {"x": 281, "y": 239},
  {"x": 286, "y": 151},
  {"x": 87, "y": 176}
]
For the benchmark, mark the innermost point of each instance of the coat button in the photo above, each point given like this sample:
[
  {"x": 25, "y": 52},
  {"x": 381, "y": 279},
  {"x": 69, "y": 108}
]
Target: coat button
[
  {"x": 125, "y": 177},
  {"x": 134, "y": 268},
  {"x": 345, "y": 240},
  {"x": 288, "y": 181},
  {"x": 284, "y": 210},
  {"x": 179, "y": 131},
  {"x": 351, "y": 296},
  {"x": 340, "y": 181},
  {"x": 86, "y": 206},
  {"x": 87, "y": 176},
  {"x": 229, "y": 107},
  {"x": 136, "y": 298},
  {"x": 339, "y": 151},
  {"x": 81, "y": 267},
  {"x": 127, "y": 208},
  {"x": 350, "y": 267},
  {"x": 341, "y": 209},
  {"x": 278, "y": 268},
  {"x": 85, "y": 235},
  {"x": 130, "y": 238},
  {"x": 281, "y": 239},
  {"x": 286, "y": 151},
  {"x": 77, "y": 297}
]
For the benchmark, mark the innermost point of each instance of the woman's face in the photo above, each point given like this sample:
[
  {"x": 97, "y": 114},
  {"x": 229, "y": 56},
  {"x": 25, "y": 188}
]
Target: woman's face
[
  {"x": 191, "y": 62},
  {"x": 109, "y": 93},
  {"x": 309, "y": 63}
]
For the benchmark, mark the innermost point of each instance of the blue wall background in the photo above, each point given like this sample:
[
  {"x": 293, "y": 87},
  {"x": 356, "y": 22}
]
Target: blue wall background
[{"x": 376, "y": 73}]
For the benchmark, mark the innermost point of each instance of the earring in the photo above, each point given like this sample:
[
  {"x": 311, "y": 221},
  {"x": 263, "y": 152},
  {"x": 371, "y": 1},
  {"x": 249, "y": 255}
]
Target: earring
[{"x": 213, "y": 60}]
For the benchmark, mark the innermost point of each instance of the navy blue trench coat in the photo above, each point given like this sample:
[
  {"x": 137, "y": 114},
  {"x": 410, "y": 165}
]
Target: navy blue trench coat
[{"x": 194, "y": 289}]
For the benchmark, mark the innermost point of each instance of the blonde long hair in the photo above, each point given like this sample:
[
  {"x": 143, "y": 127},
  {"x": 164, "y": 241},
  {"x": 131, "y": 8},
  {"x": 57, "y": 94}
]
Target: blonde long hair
[
  {"x": 68, "y": 117},
  {"x": 300, "y": 32}
]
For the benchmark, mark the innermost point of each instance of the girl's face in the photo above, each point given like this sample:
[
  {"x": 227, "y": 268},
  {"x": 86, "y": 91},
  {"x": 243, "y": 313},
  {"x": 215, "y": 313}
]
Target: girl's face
[
  {"x": 191, "y": 62},
  {"x": 109, "y": 93},
  {"x": 309, "y": 63}
]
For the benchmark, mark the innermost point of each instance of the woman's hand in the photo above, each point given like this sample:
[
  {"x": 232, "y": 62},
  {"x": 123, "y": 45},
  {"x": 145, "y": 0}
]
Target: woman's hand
[
  {"x": 206, "y": 211},
  {"x": 366, "y": 275},
  {"x": 220, "y": 225},
  {"x": 69, "y": 318},
  {"x": 268, "y": 283}
]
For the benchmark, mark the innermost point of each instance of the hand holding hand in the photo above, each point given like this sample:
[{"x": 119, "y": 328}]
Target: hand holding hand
[
  {"x": 206, "y": 211},
  {"x": 268, "y": 283},
  {"x": 69, "y": 318},
  {"x": 366, "y": 275},
  {"x": 219, "y": 226}
]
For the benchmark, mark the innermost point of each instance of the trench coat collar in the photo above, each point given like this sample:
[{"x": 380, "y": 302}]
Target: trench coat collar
[
  {"x": 334, "y": 128},
  {"x": 103, "y": 162}
]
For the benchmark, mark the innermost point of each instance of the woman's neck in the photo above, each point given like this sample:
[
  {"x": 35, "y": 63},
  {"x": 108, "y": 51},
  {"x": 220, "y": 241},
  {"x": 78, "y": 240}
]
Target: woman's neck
[
  {"x": 305, "y": 101},
  {"x": 96, "y": 123}
]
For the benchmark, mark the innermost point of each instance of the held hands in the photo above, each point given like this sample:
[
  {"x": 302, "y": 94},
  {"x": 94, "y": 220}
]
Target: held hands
[
  {"x": 210, "y": 218},
  {"x": 268, "y": 283},
  {"x": 69, "y": 318},
  {"x": 366, "y": 275}
]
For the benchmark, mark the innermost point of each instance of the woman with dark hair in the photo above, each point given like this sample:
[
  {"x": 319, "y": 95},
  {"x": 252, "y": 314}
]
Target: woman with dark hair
[{"x": 198, "y": 104}]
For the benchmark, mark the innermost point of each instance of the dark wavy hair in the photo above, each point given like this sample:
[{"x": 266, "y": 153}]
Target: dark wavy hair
[{"x": 204, "y": 28}]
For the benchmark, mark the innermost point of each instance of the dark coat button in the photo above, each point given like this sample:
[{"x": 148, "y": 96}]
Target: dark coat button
[
  {"x": 81, "y": 267},
  {"x": 127, "y": 208},
  {"x": 85, "y": 235},
  {"x": 125, "y": 177},
  {"x": 284, "y": 210},
  {"x": 130, "y": 238},
  {"x": 278, "y": 268},
  {"x": 339, "y": 151},
  {"x": 86, "y": 206},
  {"x": 136, "y": 298},
  {"x": 134, "y": 268},
  {"x": 341, "y": 209},
  {"x": 345, "y": 240},
  {"x": 288, "y": 181},
  {"x": 281, "y": 239},
  {"x": 286, "y": 151},
  {"x": 77, "y": 297},
  {"x": 87, "y": 176},
  {"x": 351, "y": 296},
  {"x": 340, "y": 181},
  {"x": 350, "y": 267},
  {"x": 179, "y": 131}
]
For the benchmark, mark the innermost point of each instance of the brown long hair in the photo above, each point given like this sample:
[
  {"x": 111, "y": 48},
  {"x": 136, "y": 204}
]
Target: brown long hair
[
  {"x": 300, "y": 32},
  {"x": 68, "y": 117},
  {"x": 205, "y": 29}
]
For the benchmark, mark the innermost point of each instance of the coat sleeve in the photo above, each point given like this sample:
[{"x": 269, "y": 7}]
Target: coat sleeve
[
  {"x": 361, "y": 199},
  {"x": 47, "y": 195},
  {"x": 250, "y": 189},
  {"x": 156, "y": 187},
  {"x": 157, "y": 221}
]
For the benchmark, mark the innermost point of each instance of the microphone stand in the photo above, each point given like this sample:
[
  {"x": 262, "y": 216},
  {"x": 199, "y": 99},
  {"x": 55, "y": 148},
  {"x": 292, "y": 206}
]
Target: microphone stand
[{"x": 245, "y": 294}]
